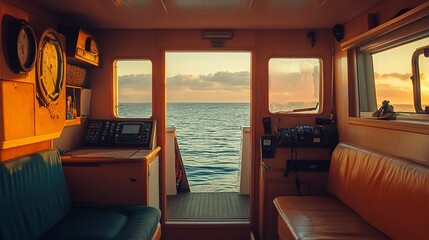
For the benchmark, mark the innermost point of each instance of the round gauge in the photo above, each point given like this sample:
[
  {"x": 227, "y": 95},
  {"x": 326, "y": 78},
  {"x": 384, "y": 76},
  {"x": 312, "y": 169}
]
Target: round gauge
[
  {"x": 50, "y": 67},
  {"x": 23, "y": 48}
]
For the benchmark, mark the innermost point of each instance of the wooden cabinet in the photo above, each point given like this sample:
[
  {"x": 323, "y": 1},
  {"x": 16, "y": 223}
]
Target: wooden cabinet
[
  {"x": 118, "y": 176},
  {"x": 16, "y": 110}
]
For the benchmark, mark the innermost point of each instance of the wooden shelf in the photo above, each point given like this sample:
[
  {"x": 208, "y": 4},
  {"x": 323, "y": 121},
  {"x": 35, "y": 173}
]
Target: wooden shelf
[
  {"x": 73, "y": 105},
  {"x": 72, "y": 122}
]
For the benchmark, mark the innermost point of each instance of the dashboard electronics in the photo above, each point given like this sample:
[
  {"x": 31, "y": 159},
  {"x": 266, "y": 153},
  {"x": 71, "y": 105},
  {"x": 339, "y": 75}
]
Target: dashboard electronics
[
  {"x": 112, "y": 133},
  {"x": 303, "y": 136}
]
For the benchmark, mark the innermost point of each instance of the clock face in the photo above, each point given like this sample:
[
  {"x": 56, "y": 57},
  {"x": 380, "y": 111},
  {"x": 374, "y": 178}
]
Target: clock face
[
  {"x": 50, "y": 67},
  {"x": 24, "y": 47}
]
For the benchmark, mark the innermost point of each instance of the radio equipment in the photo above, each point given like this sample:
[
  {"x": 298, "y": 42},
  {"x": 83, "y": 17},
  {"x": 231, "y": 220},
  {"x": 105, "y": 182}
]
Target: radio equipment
[{"x": 111, "y": 133}]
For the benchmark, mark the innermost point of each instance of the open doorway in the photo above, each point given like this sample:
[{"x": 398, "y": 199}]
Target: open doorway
[{"x": 208, "y": 119}]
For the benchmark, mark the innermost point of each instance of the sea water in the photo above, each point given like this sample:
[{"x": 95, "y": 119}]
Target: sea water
[{"x": 209, "y": 137}]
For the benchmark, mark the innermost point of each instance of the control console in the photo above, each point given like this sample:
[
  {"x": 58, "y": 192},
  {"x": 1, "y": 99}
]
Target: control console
[{"x": 113, "y": 133}]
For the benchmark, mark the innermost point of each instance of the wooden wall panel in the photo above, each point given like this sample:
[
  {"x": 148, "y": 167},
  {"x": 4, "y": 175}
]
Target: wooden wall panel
[
  {"x": 399, "y": 143},
  {"x": 16, "y": 110},
  {"x": 384, "y": 11},
  {"x": 117, "y": 44},
  {"x": 23, "y": 120}
]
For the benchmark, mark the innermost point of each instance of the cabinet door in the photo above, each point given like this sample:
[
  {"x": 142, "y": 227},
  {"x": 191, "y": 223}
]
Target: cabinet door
[
  {"x": 153, "y": 184},
  {"x": 114, "y": 183},
  {"x": 16, "y": 110}
]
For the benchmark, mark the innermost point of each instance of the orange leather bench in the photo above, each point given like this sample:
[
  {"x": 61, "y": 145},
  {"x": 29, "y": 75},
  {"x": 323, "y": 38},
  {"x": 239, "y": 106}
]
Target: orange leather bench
[{"x": 374, "y": 196}]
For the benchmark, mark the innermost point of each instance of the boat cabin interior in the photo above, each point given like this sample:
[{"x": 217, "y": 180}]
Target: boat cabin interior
[{"x": 214, "y": 119}]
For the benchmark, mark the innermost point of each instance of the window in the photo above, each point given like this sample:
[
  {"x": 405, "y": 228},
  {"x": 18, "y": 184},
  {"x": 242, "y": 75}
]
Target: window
[
  {"x": 386, "y": 75},
  {"x": 294, "y": 85},
  {"x": 133, "y": 88}
]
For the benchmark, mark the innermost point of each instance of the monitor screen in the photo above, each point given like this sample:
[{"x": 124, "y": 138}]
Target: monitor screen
[{"x": 130, "y": 128}]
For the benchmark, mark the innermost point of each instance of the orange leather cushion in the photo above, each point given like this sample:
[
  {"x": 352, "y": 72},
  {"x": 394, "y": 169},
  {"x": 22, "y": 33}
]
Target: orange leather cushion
[
  {"x": 320, "y": 217},
  {"x": 392, "y": 194}
]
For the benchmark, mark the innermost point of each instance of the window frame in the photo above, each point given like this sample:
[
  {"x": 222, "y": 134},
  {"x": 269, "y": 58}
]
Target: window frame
[
  {"x": 411, "y": 23},
  {"x": 410, "y": 26},
  {"x": 416, "y": 79},
  {"x": 116, "y": 87},
  {"x": 365, "y": 81},
  {"x": 320, "y": 105}
]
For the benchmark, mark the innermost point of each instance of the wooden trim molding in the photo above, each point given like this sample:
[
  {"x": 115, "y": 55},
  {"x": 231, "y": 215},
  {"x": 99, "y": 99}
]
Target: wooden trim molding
[
  {"x": 14, "y": 152},
  {"x": 28, "y": 140},
  {"x": 407, "y": 18},
  {"x": 413, "y": 126}
]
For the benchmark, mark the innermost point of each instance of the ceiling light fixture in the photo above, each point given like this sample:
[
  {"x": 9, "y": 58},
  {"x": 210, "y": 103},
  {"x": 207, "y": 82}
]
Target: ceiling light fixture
[
  {"x": 217, "y": 37},
  {"x": 217, "y": 34}
]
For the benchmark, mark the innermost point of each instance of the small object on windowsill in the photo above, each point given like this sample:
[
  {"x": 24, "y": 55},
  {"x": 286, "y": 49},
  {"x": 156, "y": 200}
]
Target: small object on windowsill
[
  {"x": 69, "y": 116},
  {"x": 385, "y": 112}
]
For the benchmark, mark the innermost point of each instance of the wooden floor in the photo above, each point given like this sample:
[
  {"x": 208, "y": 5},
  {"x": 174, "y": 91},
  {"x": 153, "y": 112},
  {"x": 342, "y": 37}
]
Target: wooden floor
[{"x": 208, "y": 206}]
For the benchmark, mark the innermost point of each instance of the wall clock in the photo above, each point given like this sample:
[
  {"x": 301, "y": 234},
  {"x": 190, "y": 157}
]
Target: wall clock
[
  {"x": 23, "y": 47},
  {"x": 50, "y": 67}
]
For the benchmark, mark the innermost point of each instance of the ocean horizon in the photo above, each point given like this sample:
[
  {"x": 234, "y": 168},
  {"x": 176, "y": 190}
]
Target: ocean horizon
[{"x": 209, "y": 137}]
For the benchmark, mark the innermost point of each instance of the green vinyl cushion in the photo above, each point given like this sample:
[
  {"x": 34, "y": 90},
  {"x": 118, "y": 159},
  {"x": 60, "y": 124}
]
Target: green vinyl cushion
[
  {"x": 35, "y": 204},
  {"x": 33, "y": 195},
  {"x": 107, "y": 222}
]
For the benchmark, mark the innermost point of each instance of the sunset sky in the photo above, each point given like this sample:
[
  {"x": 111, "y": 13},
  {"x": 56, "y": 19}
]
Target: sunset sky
[
  {"x": 208, "y": 76},
  {"x": 191, "y": 77},
  {"x": 393, "y": 70},
  {"x": 225, "y": 77}
]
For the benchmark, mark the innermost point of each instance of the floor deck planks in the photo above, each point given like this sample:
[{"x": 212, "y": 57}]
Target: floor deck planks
[{"x": 208, "y": 206}]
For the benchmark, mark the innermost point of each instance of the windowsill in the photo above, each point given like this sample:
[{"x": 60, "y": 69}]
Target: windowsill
[{"x": 401, "y": 123}]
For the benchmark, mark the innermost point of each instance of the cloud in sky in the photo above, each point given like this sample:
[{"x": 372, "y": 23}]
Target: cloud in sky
[
  {"x": 135, "y": 88},
  {"x": 210, "y": 82},
  {"x": 394, "y": 93},
  {"x": 398, "y": 88},
  {"x": 294, "y": 87},
  {"x": 388, "y": 76},
  {"x": 217, "y": 87}
]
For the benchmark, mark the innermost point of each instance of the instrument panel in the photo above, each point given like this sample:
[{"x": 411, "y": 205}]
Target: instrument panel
[{"x": 113, "y": 133}]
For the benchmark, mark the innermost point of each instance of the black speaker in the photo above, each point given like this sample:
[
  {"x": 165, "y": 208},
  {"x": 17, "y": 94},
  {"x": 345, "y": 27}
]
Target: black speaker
[
  {"x": 267, "y": 125},
  {"x": 338, "y": 32}
]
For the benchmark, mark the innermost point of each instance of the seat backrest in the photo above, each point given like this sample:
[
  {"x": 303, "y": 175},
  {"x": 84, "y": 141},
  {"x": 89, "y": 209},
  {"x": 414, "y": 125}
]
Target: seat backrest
[
  {"x": 33, "y": 195},
  {"x": 392, "y": 194}
]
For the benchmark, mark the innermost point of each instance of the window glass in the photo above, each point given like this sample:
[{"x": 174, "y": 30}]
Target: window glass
[
  {"x": 392, "y": 71},
  {"x": 294, "y": 85},
  {"x": 134, "y": 88}
]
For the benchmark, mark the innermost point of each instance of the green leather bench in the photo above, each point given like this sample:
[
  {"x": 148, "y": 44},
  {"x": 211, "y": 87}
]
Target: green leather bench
[{"x": 35, "y": 204}]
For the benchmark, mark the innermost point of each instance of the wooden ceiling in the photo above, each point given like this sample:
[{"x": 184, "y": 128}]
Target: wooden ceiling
[{"x": 208, "y": 14}]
